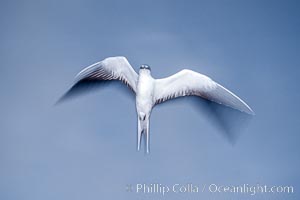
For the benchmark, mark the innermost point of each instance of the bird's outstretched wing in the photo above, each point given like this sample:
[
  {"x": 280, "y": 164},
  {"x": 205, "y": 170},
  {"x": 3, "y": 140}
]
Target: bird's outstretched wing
[
  {"x": 106, "y": 71},
  {"x": 188, "y": 82}
]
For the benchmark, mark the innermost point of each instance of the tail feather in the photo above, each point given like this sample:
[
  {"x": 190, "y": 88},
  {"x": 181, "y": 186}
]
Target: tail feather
[
  {"x": 139, "y": 136},
  {"x": 143, "y": 129},
  {"x": 147, "y": 136}
]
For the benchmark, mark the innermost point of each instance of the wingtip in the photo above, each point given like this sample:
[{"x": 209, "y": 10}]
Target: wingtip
[
  {"x": 63, "y": 98},
  {"x": 250, "y": 111},
  {"x": 59, "y": 101}
]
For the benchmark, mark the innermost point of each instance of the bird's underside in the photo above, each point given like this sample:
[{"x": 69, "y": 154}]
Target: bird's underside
[{"x": 150, "y": 92}]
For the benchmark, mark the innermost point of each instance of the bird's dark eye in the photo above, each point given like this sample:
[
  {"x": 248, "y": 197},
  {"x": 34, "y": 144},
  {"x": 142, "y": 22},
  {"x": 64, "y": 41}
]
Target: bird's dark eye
[{"x": 145, "y": 67}]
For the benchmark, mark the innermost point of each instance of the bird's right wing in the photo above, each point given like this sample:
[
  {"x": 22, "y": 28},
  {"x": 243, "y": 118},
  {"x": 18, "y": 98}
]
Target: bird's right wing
[
  {"x": 109, "y": 69},
  {"x": 188, "y": 82}
]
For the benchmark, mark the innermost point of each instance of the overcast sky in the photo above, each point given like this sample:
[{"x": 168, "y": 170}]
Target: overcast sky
[{"x": 86, "y": 148}]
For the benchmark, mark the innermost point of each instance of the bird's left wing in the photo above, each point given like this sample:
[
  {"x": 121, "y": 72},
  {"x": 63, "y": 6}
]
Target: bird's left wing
[
  {"x": 107, "y": 70},
  {"x": 188, "y": 82}
]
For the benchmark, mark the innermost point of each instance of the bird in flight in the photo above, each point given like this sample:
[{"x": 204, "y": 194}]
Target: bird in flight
[{"x": 149, "y": 91}]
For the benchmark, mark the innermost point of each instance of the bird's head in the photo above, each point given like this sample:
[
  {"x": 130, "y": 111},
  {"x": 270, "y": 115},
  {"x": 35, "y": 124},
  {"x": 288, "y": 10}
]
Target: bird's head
[{"x": 145, "y": 69}]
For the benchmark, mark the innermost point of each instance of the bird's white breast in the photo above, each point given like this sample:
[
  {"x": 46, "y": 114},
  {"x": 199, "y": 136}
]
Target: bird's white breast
[{"x": 144, "y": 94}]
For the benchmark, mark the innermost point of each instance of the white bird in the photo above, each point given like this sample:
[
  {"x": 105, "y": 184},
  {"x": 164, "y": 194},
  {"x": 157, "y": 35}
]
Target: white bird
[{"x": 150, "y": 92}]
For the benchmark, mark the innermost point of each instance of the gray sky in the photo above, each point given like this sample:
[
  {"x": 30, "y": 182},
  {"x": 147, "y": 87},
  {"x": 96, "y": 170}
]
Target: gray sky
[{"x": 85, "y": 148}]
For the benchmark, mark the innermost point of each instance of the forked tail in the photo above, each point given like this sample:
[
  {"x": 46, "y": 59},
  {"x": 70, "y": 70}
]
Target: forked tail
[{"x": 143, "y": 129}]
